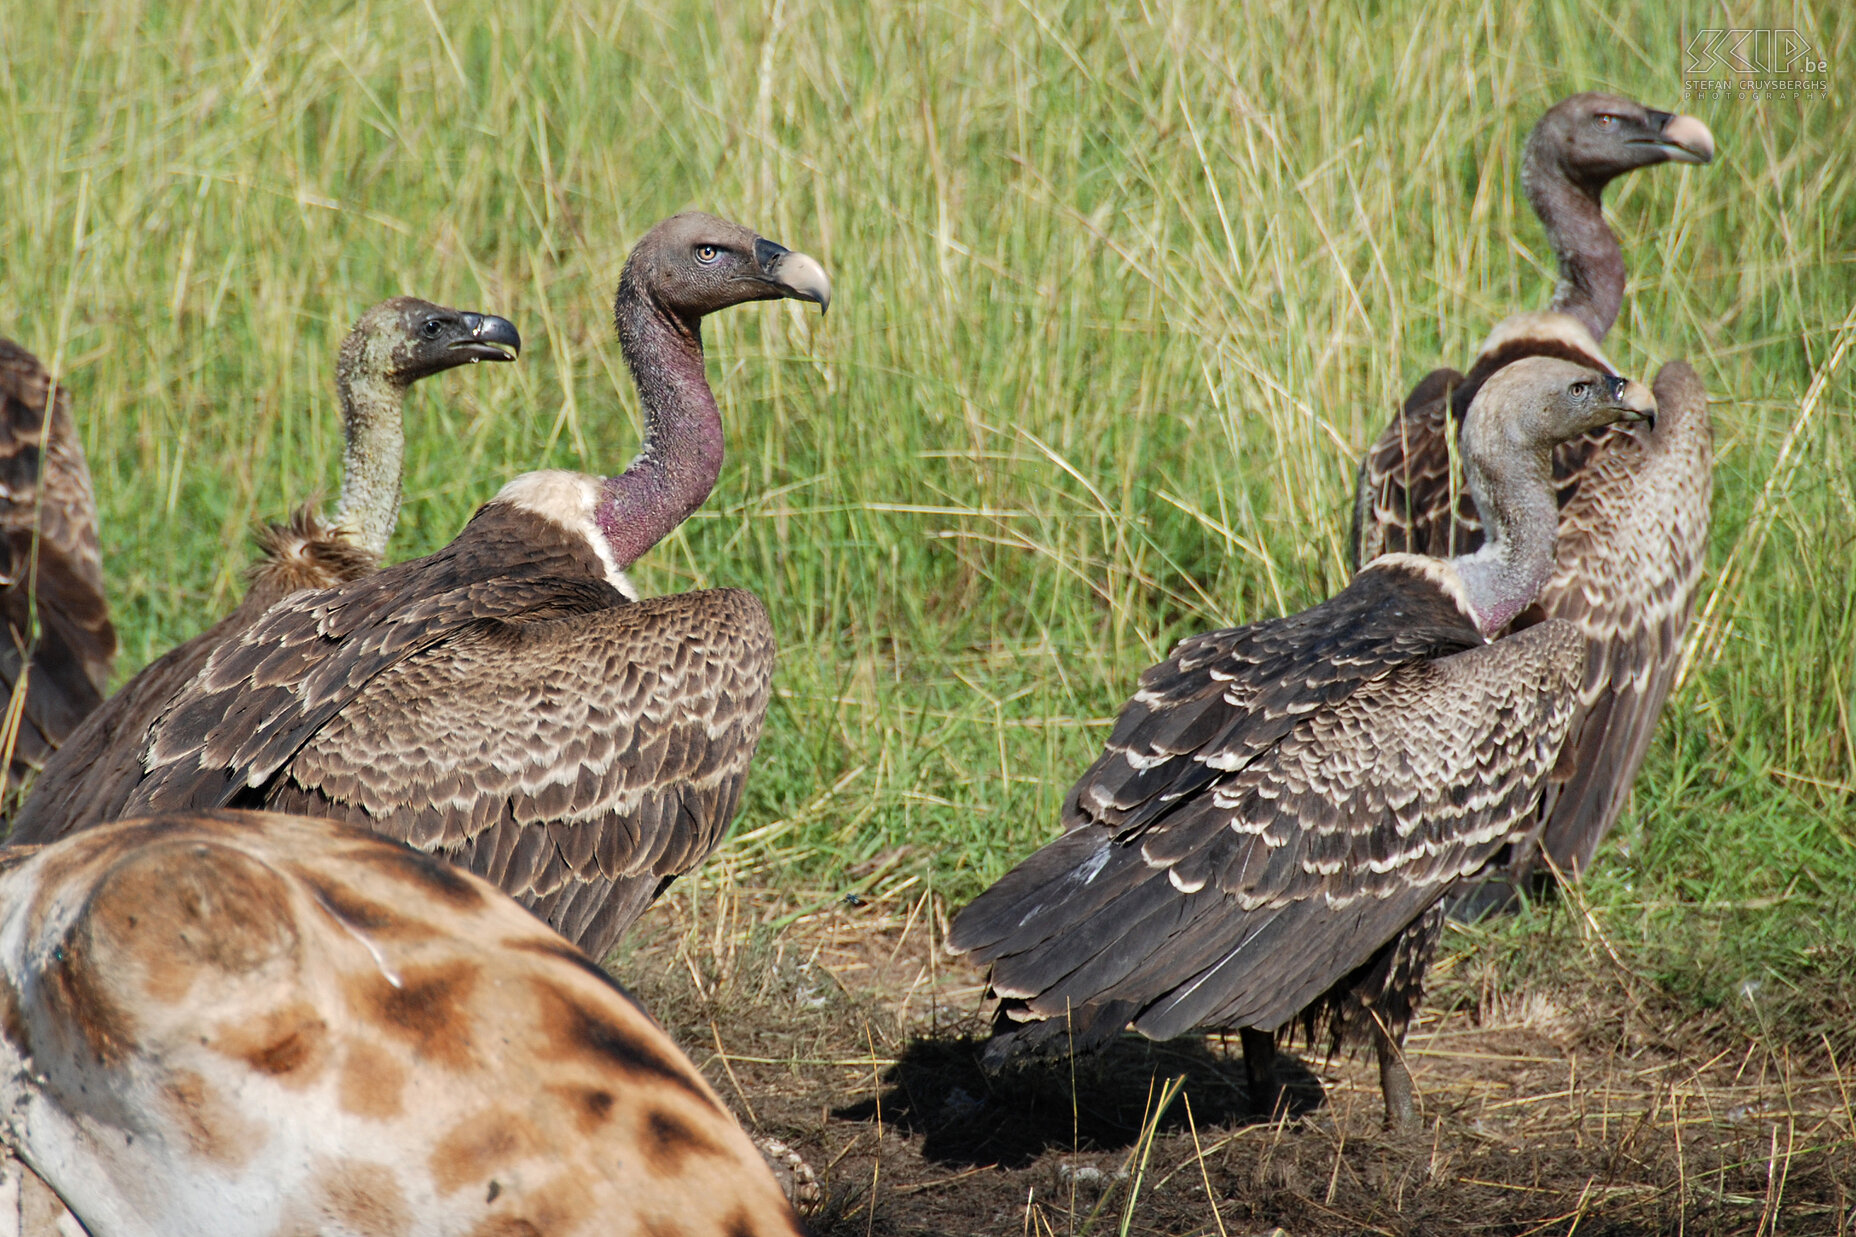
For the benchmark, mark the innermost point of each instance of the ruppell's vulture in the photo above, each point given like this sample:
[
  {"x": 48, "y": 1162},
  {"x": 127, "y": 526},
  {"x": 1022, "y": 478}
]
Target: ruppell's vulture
[
  {"x": 1634, "y": 502},
  {"x": 1282, "y": 807},
  {"x": 507, "y": 702},
  {"x": 246, "y": 1024},
  {"x": 395, "y": 344},
  {"x": 55, "y": 661}
]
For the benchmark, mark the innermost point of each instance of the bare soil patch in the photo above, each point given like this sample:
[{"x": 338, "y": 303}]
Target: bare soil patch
[{"x": 1587, "y": 1104}]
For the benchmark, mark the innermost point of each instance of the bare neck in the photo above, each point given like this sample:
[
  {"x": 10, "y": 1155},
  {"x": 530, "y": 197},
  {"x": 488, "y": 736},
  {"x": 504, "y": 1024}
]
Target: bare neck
[
  {"x": 682, "y": 453},
  {"x": 1514, "y": 496},
  {"x": 374, "y": 445},
  {"x": 1591, "y": 282}
]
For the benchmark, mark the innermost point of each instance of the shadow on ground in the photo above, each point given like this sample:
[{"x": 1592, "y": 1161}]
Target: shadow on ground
[{"x": 966, "y": 1117}]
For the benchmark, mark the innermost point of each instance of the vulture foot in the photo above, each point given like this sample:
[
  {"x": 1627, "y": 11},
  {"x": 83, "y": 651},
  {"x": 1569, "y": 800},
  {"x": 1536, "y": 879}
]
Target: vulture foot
[{"x": 1260, "y": 1070}]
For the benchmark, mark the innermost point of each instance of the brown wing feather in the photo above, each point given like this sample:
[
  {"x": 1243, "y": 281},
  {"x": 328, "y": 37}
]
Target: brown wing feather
[
  {"x": 86, "y": 782},
  {"x": 1239, "y": 691},
  {"x": 605, "y": 748},
  {"x": 1221, "y": 700},
  {"x": 1252, "y": 897},
  {"x": 1633, "y": 539},
  {"x": 90, "y": 778},
  {"x": 1633, "y": 534},
  {"x": 60, "y": 640},
  {"x": 262, "y": 695},
  {"x": 498, "y": 701}
]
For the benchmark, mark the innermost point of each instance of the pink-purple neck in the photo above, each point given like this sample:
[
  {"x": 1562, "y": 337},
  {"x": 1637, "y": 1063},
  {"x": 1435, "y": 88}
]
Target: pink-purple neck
[
  {"x": 1591, "y": 265},
  {"x": 682, "y": 453},
  {"x": 1499, "y": 598}
]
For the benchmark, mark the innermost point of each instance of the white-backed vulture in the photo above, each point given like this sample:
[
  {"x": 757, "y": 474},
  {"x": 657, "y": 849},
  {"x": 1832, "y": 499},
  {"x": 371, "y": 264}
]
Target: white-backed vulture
[
  {"x": 1634, "y": 502},
  {"x": 1282, "y": 807},
  {"x": 394, "y": 345},
  {"x": 507, "y": 702},
  {"x": 59, "y": 642}
]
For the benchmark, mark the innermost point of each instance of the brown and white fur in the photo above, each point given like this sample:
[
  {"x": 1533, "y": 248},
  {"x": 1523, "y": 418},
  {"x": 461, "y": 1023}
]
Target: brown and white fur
[{"x": 226, "y": 1023}]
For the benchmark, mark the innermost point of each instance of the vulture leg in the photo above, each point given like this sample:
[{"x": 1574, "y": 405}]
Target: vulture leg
[
  {"x": 1394, "y": 1079},
  {"x": 1260, "y": 1069}
]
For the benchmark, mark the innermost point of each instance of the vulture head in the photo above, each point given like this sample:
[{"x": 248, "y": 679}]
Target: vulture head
[
  {"x": 404, "y": 339},
  {"x": 1532, "y": 406},
  {"x": 693, "y": 264},
  {"x": 1591, "y": 139}
]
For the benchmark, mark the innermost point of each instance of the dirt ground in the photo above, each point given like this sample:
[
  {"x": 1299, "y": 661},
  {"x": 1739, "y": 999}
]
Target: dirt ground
[{"x": 842, "y": 1028}]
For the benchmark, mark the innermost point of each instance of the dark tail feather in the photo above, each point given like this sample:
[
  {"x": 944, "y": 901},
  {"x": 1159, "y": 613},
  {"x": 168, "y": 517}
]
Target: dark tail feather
[
  {"x": 1057, "y": 876},
  {"x": 1086, "y": 1030}
]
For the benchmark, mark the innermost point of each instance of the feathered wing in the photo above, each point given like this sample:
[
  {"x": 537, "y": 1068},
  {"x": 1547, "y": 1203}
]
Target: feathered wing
[
  {"x": 1242, "y": 900},
  {"x": 264, "y": 693},
  {"x": 52, "y": 566},
  {"x": 100, "y": 762},
  {"x": 92, "y": 774},
  {"x": 1633, "y": 534},
  {"x": 580, "y": 763},
  {"x": 576, "y": 748},
  {"x": 1633, "y": 540},
  {"x": 1224, "y": 696}
]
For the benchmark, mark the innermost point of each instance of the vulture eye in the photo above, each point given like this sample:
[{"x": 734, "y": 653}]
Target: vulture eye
[
  {"x": 1605, "y": 121},
  {"x": 431, "y": 327},
  {"x": 707, "y": 254},
  {"x": 1580, "y": 389}
]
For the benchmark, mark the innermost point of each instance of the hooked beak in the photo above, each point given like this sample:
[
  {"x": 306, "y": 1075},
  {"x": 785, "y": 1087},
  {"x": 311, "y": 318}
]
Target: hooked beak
[
  {"x": 1633, "y": 398},
  {"x": 491, "y": 339},
  {"x": 796, "y": 275},
  {"x": 1684, "y": 139}
]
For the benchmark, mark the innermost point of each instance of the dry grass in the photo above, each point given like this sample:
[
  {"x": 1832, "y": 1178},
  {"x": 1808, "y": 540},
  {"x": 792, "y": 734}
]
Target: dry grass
[{"x": 1587, "y": 1102}]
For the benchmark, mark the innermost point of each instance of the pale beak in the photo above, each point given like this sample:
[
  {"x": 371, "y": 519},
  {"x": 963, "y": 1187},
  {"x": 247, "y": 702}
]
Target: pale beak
[
  {"x": 1688, "y": 140},
  {"x": 1634, "y": 398},
  {"x": 796, "y": 275}
]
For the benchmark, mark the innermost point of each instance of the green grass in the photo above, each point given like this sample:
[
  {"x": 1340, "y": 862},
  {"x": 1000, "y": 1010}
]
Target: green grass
[{"x": 1122, "y": 291}]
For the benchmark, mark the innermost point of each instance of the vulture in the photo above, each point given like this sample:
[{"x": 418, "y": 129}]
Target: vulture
[
  {"x": 509, "y": 703},
  {"x": 1282, "y": 807},
  {"x": 395, "y": 344},
  {"x": 247, "y": 1024},
  {"x": 55, "y": 662},
  {"x": 1633, "y": 502}
]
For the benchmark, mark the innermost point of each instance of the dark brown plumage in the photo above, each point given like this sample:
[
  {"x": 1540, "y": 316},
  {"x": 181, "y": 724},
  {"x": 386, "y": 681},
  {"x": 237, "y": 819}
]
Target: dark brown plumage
[
  {"x": 60, "y": 643},
  {"x": 1633, "y": 539},
  {"x": 1613, "y": 527},
  {"x": 502, "y": 702},
  {"x": 393, "y": 345},
  {"x": 1281, "y": 807}
]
